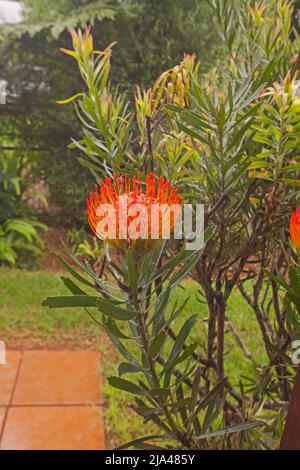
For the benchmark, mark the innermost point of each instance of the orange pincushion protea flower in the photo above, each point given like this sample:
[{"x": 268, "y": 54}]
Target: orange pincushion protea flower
[
  {"x": 295, "y": 228},
  {"x": 121, "y": 210}
]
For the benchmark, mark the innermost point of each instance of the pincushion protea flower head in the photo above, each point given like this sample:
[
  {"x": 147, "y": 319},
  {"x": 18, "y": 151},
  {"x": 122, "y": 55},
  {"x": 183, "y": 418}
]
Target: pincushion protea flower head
[
  {"x": 130, "y": 214},
  {"x": 295, "y": 228}
]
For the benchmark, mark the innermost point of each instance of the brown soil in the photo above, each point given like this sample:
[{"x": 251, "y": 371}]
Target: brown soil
[
  {"x": 53, "y": 239},
  {"x": 80, "y": 340}
]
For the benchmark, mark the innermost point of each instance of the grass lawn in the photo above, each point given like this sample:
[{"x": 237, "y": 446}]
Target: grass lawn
[{"x": 24, "y": 323}]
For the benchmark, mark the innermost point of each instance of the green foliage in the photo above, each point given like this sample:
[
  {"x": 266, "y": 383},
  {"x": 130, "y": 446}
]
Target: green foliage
[
  {"x": 19, "y": 231},
  {"x": 291, "y": 287},
  {"x": 103, "y": 115},
  {"x": 24, "y": 321},
  {"x": 256, "y": 34},
  {"x": 160, "y": 390},
  {"x": 243, "y": 129},
  {"x": 84, "y": 245},
  {"x": 17, "y": 236},
  {"x": 277, "y": 129},
  {"x": 59, "y": 15}
]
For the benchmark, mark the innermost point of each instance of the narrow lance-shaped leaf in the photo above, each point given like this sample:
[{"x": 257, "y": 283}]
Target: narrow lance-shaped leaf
[
  {"x": 73, "y": 288},
  {"x": 112, "y": 327},
  {"x": 126, "y": 386},
  {"x": 132, "y": 275},
  {"x": 114, "y": 311},
  {"x": 126, "y": 368},
  {"x": 186, "y": 353},
  {"x": 68, "y": 100},
  {"x": 229, "y": 430},
  {"x": 157, "y": 344},
  {"x": 181, "y": 338},
  {"x": 74, "y": 273},
  {"x": 70, "y": 301},
  {"x": 144, "y": 439}
]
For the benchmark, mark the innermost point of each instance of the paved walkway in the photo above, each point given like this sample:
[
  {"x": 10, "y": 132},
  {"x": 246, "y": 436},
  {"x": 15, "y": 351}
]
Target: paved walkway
[{"x": 51, "y": 400}]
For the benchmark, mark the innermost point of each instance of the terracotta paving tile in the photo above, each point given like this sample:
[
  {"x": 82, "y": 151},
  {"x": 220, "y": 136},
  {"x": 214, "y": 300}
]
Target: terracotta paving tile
[
  {"x": 58, "y": 377},
  {"x": 54, "y": 428},
  {"x": 8, "y": 374},
  {"x": 2, "y": 415}
]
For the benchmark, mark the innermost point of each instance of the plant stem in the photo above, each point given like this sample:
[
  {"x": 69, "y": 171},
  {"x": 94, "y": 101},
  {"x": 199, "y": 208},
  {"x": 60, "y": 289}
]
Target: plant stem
[
  {"x": 149, "y": 142},
  {"x": 180, "y": 435}
]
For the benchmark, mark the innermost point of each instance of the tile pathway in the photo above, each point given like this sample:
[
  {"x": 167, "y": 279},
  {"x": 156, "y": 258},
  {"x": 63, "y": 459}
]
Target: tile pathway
[{"x": 51, "y": 400}]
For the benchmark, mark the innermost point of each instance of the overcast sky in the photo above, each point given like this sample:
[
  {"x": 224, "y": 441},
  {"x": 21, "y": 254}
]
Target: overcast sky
[{"x": 10, "y": 11}]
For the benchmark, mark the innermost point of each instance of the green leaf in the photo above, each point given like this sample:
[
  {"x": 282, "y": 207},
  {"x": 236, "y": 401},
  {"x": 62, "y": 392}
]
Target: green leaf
[
  {"x": 22, "y": 227},
  {"x": 87, "y": 164},
  {"x": 157, "y": 344},
  {"x": 194, "y": 394},
  {"x": 70, "y": 301},
  {"x": 228, "y": 430},
  {"x": 74, "y": 273},
  {"x": 145, "y": 446},
  {"x": 112, "y": 327},
  {"x": 161, "y": 305},
  {"x": 295, "y": 280},
  {"x": 286, "y": 359},
  {"x": 143, "y": 439},
  {"x": 114, "y": 311},
  {"x": 73, "y": 288},
  {"x": 176, "y": 311},
  {"x": 68, "y": 100},
  {"x": 126, "y": 368},
  {"x": 182, "y": 408},
  {"x": 268, "y": 71},
  {"x": 127, "y": 386},
  {"x": 184, "y": 270},
  {"x": 145, "y": 410},
  {"x": 212, "y": 394},
  {"x": 159, "y": 392},
  {"x": 279, "y": 280},
  {"x": 132, "y": 276},
  {"x": 212, "y": 412},
  {"x": 172, "y": 263},
  {"x": 291, "y": 182},
  {"x": 187, "y": 352},
  {"x": 122, "y": 350},
  {"x": 181, "y": 338}
]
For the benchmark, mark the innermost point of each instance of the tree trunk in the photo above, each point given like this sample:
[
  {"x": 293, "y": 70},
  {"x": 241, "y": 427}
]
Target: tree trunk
[{"x": 291, "y": 434}]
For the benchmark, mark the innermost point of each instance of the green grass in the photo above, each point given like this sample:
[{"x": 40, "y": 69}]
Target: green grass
[
  {"x": 21, "y": 312},
  {"x": 23, "y": 321}
]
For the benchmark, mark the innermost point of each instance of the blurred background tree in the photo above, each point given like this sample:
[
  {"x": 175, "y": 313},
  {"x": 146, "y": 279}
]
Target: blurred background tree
[{"x": 151, "y": 36}]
